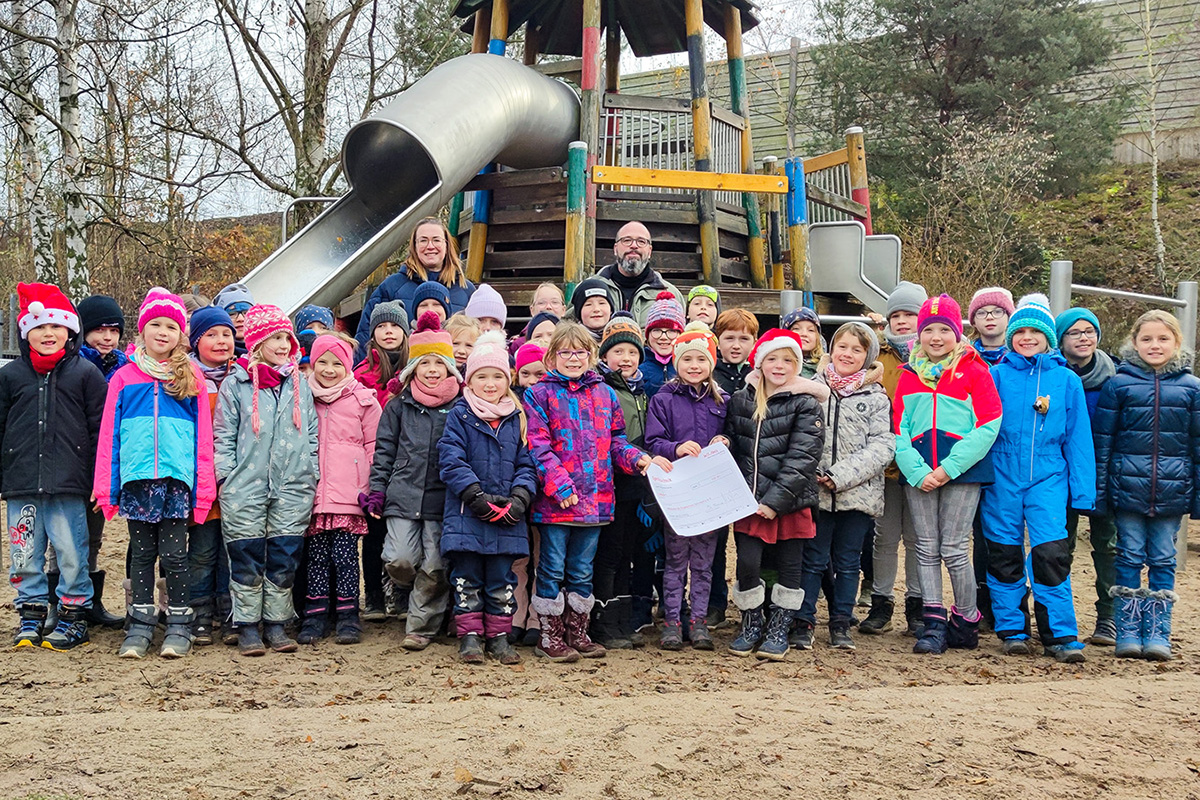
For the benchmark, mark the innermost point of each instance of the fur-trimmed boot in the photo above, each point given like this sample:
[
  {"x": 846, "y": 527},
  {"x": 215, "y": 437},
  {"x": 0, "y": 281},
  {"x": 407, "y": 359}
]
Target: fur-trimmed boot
[
  {"x": 1127, "y": 613},
  {"x": 576, "y": 617},
  {"x": 933, "y": 638},
  {"x": 962, "y": 633},
  {"x": 177, "y": 642},
  {"x": 785, "y": 602},
  {"x": 750, "y": 603},
  {"x": 553, "y": 644},
  {"x": 1156, "y": 624}
]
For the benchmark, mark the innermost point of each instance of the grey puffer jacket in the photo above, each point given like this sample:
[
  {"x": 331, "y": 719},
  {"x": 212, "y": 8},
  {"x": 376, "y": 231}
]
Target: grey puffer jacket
[{"x": 859, "y": 445}]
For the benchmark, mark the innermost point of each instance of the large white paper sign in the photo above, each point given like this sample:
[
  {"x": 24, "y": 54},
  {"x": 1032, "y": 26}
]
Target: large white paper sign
[{"x": 702, "y": 493}]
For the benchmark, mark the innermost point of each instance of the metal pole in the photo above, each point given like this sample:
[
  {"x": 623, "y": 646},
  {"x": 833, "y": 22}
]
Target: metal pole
[
  {"x": 1189, "y": 293},
  {"x": 1060, "y": 286},
  {"x": 576, "y": 243}
]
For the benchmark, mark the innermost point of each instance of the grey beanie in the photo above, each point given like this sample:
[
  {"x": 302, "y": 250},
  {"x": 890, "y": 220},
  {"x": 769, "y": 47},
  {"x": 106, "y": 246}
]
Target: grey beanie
[
  {"x": 871, "y": 337},
  {"x": 906, "y": 296},
  {"x": 390, "y": 311}
]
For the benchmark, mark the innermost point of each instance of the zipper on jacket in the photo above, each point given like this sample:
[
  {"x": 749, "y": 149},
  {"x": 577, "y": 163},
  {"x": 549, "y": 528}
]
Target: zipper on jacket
[
  {"x": 757, "y": 431},
  {"x": 1154, "y": 450},
  {"x": 1037, "y": 391},
  {"x": 43, "y": 410},
  {"x": 837, "y": 415},
  {"x": 933, "y": 444},
  {"x": 156, "y": 430}
]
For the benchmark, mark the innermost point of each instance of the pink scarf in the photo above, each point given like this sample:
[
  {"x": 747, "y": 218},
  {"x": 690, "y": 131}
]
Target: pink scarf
[
  {"x": 438, "y": 396},
  {"x": 268, "y": 377},
  {"x": 327, "y": 394},
  {"x": 489, "y": 411},
  {"x": 844, "y": 385}
]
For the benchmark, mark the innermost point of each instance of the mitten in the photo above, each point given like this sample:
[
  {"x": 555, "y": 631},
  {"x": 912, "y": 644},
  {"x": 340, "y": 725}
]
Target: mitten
[
  {"x": 519, "y": 504},
  {"x": 372, "y": 503}
]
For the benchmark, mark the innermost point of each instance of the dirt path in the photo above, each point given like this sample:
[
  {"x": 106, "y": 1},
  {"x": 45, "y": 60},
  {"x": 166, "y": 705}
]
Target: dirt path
[{"x": 375, "y": 721}]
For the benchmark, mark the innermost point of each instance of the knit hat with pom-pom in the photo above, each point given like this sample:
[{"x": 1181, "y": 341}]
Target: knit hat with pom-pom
[
  {"x": 696, "y": 337},
  {"x": 1032, "y": 312},
  {"x": 263, "y": 322},
  {"x": 44, "y": 304},
  {"x": 161, "y": 303},
  {"x": 489, "y": 351},
  {"x": 666, "y": 312},
  {"x": 990, "y": 296},
  {"x": 428, "y": 339}
]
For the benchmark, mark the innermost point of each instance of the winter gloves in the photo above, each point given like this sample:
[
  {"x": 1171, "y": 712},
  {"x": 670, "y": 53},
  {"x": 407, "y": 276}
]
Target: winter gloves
[
  {"x": 372, "y": 503},
  {"x": 497, "y": 508}
]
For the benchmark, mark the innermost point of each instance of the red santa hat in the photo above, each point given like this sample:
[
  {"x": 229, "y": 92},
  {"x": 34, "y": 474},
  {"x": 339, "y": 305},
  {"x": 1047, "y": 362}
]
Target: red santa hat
[
  {"x": 776, "y": 339},
  {"x": 44, "y": 304}
]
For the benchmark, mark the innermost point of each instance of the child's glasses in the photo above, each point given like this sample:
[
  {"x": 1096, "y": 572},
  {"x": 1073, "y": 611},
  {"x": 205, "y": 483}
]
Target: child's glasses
[
  {"x": 572, "y": 355},
  {"x": 1088, "y": 333}
]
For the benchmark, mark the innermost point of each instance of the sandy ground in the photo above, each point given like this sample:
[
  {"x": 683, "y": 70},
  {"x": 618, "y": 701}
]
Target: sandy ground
[{"x": 375, "y": 721}]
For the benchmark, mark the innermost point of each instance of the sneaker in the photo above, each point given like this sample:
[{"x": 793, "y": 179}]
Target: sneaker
[
  {"x": 879, "y": 620},
  {"x": 70, "y": 632},
  {"x": 672, "y": 636},
  {"x": 701, "y": 638},
  {"x": 801, "y": 636},
  {"x": 1069, "y": 653},
  {"x": 499, "y": 648},
  {"x": 470, "y": 649},
  {"x": 314, "y": 629},
  {"x": 864, "y": 596},
  {"x": 1105, "y": 633},
  {"x": 839, "y": 637},
  {"x": 414, "y": 641},
  {"x": 202, "y": 632},
  {"x": 716, "y": 619},
  {"x": 1015, "y": 647}
]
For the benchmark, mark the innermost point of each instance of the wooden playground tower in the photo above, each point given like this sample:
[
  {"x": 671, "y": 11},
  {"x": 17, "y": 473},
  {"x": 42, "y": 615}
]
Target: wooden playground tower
[{"x": 685, "y": 168}]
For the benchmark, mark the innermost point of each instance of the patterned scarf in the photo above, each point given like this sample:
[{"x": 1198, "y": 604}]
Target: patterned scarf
[
  {"x": 844, "y": 385},
  {"x": 930, "y": 371},
  {"x": 159, "y": 370}
]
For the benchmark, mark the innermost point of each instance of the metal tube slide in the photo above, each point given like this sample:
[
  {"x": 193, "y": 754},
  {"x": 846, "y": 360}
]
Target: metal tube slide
[{"x": 408, "y": 161}]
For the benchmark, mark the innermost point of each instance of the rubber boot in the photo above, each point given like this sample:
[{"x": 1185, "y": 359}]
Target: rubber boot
[
  {"x": 1156, "y": 615},
  {"x": 785, "y": 602},
  {"x": 879, "y": 620},
  {"x": 70, "y": 632},
  {"x": 98, "y": 614},
  {"x": 139, "y": 631},
  {"x": 275, "y": 635},
  {"x": 1127, "y": 612},
  {"x": 250, "y": 642},
  {"x": 177, "y": 642},
  {"x": 750, "y": 603},
  {"x": 961, "y": 633},
  {"x": 625, "y": 622},
  {"x": 606, "y": 625},
  {"x": 576, "y": 617},
  {"x": 29, "y": 631},
  {"x": 914, "y": 616},
  {"x": 499, "y": 648},
  {"x": 229, "y": 633},
  {"x": 52, "y": 603},
  {"x": 552, "y": 644},
  {"x": 933, "y": 638}
]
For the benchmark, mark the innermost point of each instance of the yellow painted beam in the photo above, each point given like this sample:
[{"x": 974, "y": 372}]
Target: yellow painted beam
[
  {"x": 683, "y": 179},
  {"x": 825, "y": 161}
]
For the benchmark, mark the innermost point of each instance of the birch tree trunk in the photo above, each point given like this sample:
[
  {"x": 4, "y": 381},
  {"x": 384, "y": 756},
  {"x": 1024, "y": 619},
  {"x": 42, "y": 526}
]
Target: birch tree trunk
[
  {"x": 37, "y": 213},
  {"x": 78, "y": 281}
]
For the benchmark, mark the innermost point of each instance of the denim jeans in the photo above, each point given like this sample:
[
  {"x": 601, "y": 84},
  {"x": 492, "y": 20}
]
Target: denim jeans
[
  {"x": 1148, "y": 541},
  {"x": 60, "y": 520},
  {"x": 839, "y": 539},
  {"x": 565, "y": 563},
  {"x": 204, "y": 544}
]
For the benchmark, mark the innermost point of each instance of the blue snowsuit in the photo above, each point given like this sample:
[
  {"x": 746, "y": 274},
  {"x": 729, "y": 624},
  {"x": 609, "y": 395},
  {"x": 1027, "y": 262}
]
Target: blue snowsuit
[{"x": 1044, "y": 464}]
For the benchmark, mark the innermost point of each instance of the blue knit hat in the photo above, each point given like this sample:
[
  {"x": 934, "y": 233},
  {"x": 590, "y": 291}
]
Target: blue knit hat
[
  {"x": 431, "y": 290},
  {"x": 1033, "y": 311},
  {"x": 306, "y": 316},
  {"x": 1064, "y": 321},
  {"x": 204, "y": 320}
]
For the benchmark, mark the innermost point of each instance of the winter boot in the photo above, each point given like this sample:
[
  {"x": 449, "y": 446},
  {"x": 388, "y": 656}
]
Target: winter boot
[
  {"x": 801, "y": 636},
  {"x": 1015, "y": 646},
  {"x": 202, "y": 628},
  {"x": 625, "y": 622},
  {"x": 961, "y": 633},
  {"x": 499, "y": 648},
  {"x": 576, "y": 617},
  {"x": 29, "y": 632},
  {"x": 229, "y": 633},
  {"x": 839, "y": 636},
  {"x": 470, "y": 649},
  {"x": 98, "y": 614},
  {"x": 672, "y": 636},
  {"x": 606, "y": 625},
  {"x": 177, "y": 642},
  {"x": 250, "y": 642},
  {"x": 914, "y": 616},
  {"x": 879, "y": 620},
  {"x": 642, "y": 613},
  {"x": 1105, "y": 632},
  {"x": 553, "y": 645},
  {"x": 749, "y": 602},
  {"x": 374, "y": 607},
  {"x": 1127, "y": 609},
  {"x": 71, "y": 630},
  {"x": 275, "y": 635},
  {"x": 52, "y": 605},
  {"x": 1067, "y": 653},
  {"x": 1156, "y": 615},
  {"x": 349, "y": 625},
  {"x": 701, "y": 638},
  {"x": 139, "y": 631},
  {"x": 785, "y": 602},
  {"x": 933, "y": 638},
  {"x": 391, "y": 598},
  {"x": 316, "y": 621}
]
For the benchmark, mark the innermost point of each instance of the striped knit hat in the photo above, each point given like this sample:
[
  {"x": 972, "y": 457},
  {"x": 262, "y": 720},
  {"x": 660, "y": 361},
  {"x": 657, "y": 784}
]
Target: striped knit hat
[
  {"x": 161, "y": 303},
  {"x": 429, "y": 340},
  {"x": 621, "y": 329},
  {"x": 1032, "y": 312},
  {"x": 263, "y": 322},
  {"x": 696, "y": 336},
  {"x": 666, "y": 312}
]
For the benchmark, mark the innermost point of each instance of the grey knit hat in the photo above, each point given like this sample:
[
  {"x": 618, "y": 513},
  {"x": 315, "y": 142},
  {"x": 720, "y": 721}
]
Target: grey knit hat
[
  {"x": 390, "y": 311},
  {"x": 906, "y": 296}
]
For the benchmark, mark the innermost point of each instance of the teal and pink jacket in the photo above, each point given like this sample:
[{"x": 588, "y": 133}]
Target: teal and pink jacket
[
  {"x": 146, "y": 434},
  {"x": 951, "y": 425}
]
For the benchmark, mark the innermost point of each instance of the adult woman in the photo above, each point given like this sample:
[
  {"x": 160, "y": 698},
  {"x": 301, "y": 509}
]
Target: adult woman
[{"x": 432, "y": 256}]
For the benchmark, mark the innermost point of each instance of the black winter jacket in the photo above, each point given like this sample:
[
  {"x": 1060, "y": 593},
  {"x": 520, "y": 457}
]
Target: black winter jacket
[
  {"x": 49, "y": 425},
  {"x": 731, "y": 377},
  {"x": 406, "y": 458},
  {"x": 1147, "y": 435},
  {"x": 779, "y": 456}
]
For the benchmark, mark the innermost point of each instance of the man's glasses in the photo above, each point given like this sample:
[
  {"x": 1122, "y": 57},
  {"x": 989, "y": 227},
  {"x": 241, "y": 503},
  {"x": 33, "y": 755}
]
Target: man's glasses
[{"x": 631, "y": 240}]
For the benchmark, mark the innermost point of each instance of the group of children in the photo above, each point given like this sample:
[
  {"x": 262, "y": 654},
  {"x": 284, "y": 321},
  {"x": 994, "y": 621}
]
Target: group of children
[{"x": 497, "y": 488}]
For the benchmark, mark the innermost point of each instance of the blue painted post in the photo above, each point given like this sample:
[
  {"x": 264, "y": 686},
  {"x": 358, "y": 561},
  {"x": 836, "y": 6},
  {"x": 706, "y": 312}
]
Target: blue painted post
[{"x": 797, "y": 222}]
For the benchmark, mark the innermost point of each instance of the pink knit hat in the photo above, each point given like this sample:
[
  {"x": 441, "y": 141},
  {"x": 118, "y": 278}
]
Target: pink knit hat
[
  {"x": 263, "y": 322},
  {"x": 489, "y": 351},
  {"x": 666, "y": 312},
  {"x": 991, "y": 296},
  {"x": 325, "y": 343},
  {"x": 529, "y": 353},
  {"x": 943, "y": 309},
  {"x": 161, "y": 303}
]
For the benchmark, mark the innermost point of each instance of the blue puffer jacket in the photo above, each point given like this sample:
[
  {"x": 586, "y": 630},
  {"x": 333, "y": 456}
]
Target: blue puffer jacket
[
  {"x": 399, "y": 286},
  {"x": 471, "y": 451},
  {"x": 1032, "y": 446},
  {"x": 1147, "y": 433}
]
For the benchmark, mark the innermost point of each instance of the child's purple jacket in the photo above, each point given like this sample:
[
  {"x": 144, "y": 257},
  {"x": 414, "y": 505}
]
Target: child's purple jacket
[
  {"x": 677, "y": 414},
  {"x": 576, "y": 432}
]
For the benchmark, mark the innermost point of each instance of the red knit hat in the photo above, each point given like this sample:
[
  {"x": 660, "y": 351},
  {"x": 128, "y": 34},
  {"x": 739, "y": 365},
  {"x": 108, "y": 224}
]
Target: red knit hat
[
  {"x": 776, "y": 339},
  {"x": 44, "y": 304}
]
